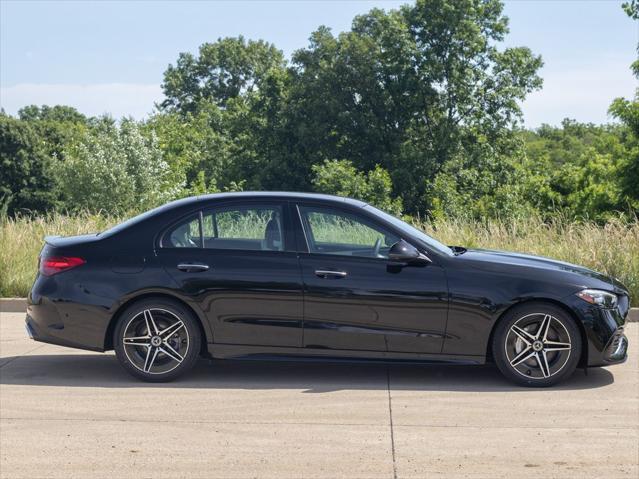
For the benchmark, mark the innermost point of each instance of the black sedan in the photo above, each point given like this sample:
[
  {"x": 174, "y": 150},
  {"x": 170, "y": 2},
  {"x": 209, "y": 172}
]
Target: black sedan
[{"x": 249, "y": 275}]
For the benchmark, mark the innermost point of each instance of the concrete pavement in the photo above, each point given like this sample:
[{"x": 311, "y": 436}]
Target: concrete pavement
[{"x": 67, "y": 413}]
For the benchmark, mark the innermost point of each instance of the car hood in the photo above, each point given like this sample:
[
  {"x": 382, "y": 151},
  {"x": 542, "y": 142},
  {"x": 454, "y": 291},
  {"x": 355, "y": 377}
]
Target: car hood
[{"x": 579, "y": 275}]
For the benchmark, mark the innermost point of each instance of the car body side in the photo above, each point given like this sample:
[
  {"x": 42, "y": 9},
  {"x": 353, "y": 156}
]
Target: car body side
[{"x": 79, "y": 308}]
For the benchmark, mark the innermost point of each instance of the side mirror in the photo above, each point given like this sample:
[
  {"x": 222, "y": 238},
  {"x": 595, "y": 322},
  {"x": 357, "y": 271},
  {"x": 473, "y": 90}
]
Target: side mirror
[{"x": 406, "y": 253}]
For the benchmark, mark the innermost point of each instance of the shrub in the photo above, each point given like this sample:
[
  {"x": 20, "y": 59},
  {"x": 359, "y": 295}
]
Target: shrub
[
  {"x": 116, "y": 169},
  {"x": 340, "y": 177}
]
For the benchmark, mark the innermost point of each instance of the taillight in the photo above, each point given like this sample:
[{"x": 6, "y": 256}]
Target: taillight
[{"x": 51, "y": 265}]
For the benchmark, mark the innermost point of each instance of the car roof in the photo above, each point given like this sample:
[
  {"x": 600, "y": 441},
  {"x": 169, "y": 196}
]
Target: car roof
[{"x": 287, "y": 195}]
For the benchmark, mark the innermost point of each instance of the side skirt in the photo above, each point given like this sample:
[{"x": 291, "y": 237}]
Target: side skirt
[{"x": 240, "y": 351}]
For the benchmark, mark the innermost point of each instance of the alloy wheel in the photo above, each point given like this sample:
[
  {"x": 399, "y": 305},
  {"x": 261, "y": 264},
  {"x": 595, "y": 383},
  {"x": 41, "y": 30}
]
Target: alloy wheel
[
  {"x": 155, "y": 341},
  {"x": 537, "y": 346}
]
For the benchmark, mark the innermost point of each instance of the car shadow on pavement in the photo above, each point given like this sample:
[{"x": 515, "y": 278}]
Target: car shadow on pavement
[{"x": 95, "y": 370}]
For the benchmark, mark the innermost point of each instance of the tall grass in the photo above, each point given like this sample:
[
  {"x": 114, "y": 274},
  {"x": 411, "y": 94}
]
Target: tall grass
[{"x": 612, "y": 248}]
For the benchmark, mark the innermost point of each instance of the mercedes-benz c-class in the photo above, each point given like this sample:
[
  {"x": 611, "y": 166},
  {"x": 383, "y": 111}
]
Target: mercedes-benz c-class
[{"x": 294, "y": 275}]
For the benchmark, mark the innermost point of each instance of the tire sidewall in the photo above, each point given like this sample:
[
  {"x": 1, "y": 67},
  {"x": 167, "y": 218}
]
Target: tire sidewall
[
  {"x": 189, "y": 322},
  {"x": 512, "y": 317}
]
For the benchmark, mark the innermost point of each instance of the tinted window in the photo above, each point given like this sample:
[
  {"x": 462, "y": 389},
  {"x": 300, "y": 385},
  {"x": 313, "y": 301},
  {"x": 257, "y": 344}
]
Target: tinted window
[
  {"x": 255, "y": 227},
  {"x": 330, "y": 231},
  {"x": 412, "y": 231},
  {"x": 184, "y": 235}
]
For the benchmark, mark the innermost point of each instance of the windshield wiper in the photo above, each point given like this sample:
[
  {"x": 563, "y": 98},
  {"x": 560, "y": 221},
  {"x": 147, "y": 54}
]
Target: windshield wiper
[{"x": 457, "y": 250}]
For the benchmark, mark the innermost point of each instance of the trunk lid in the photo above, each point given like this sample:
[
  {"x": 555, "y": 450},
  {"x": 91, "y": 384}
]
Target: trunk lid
[{"x": 64, "y": 241}]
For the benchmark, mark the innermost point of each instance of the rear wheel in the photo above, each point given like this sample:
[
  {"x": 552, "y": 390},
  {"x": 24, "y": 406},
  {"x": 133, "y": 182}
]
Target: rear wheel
[
  {"x": 157, "y": 340},
  {"x": 537, "y": 344}
]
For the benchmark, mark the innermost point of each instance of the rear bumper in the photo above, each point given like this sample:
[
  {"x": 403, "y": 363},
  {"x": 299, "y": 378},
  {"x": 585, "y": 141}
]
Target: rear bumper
[
  {"x": 38, "y": 332},
  {"x": 52, "y": 317}
]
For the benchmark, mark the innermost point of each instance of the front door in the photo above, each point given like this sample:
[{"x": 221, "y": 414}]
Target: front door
[
  {"x": 355, "y": 298},
  {"x": 236, "y": 261}
]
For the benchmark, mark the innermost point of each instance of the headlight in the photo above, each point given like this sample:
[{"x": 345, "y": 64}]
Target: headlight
[{"x": 598, "y": 297}]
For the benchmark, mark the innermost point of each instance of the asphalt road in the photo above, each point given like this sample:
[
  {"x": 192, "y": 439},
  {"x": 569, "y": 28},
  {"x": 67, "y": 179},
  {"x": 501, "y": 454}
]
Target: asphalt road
[{"x": 67, "y": 413}]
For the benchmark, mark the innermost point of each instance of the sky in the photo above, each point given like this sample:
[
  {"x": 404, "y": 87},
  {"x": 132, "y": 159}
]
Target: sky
[{"x": 109, "y": 56}]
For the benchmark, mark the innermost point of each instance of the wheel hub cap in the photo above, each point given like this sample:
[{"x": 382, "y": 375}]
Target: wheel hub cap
[
  {"x": 155, "y": 341},
  {"x": 538, "y": 346}
]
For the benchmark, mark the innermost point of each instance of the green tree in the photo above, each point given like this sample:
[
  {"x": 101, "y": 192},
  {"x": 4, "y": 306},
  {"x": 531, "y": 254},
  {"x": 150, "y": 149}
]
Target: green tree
[
  {"x": 627, "y": 111},
  {"x": 405, "y": 88},
  {"x": 632, "y": 10},
  {"x": 576, "y": 169},
  {"x": 419, "y": 104},
  {"x": 195, "y": 146},
  {"x": 56, "y": 126},
  {"x": 238, "y": 84},
  {"x": 27, "y": 179},
  {"x": 264, "y": 150},
  {"x": 340, "y": 177},
  {"x": 226, "y": 69},
  {"x": 116, "y": 169},
  {"x": 56, "y": 113},
  {"x": 595, "y": 193},
  {"x": 486, "y": 179}
]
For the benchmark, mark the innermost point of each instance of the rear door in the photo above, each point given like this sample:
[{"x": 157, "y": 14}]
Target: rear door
[
  {"x": 355, "y": 298},
  {"x": 237, "y": 261}
]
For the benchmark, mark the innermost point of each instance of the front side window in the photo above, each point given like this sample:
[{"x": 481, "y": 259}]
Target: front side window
[
  {"x": 332, "y": 231},
  {"x": 412, "y": 231},
  {"x": 254, "y": 227}
]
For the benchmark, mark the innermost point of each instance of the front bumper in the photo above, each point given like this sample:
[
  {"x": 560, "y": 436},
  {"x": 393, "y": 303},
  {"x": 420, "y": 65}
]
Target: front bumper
[
  {"x": 617, "y": 349},
  {"x": 605, "y": 343}
]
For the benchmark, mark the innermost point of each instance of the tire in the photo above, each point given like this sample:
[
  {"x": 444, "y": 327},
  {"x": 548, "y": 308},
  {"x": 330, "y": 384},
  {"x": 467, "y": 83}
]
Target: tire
[
  {"x": 157, "y": 340},
  {"x": 525, "y": 357}
]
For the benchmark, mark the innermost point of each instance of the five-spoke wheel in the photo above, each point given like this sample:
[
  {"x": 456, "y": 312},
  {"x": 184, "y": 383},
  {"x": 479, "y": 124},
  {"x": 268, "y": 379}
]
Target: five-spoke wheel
[
  {"x": 537, "y": 345},
  {"x": 157, "y": 340}
]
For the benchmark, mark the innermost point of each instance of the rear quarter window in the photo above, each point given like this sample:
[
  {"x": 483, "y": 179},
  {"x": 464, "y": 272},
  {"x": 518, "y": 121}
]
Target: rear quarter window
[{"x": 185, "y": 234}]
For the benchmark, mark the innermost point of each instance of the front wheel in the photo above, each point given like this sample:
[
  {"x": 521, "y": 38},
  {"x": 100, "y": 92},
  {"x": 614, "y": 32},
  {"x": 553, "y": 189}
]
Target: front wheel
[
  {"x": 537, "y": 344},
  {"x": 157, "y": 340}
]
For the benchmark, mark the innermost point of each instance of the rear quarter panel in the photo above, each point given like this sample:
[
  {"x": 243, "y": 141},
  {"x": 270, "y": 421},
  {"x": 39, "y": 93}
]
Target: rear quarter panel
[{"x": 78, "y": 306}]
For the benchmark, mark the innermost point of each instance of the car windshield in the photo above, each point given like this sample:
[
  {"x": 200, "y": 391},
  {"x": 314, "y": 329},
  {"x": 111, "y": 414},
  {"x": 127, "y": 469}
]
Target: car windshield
[{"x": 412, "y": 231}]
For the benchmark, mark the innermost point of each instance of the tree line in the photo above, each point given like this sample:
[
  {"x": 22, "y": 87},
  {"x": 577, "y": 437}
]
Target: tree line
[{"x": 415, "y": 110}]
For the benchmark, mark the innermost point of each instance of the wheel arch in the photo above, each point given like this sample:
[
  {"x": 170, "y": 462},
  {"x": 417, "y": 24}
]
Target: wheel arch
[
  {"x": 108, "y": 336},
  {"x": 583, "y": 360}
]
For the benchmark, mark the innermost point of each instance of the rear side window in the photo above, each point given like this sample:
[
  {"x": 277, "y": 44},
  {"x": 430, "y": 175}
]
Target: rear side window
[
  {"x": 254, "y": 227},
  {"x": 186, "y": 234},
  {"x": 242, "y": 227}
]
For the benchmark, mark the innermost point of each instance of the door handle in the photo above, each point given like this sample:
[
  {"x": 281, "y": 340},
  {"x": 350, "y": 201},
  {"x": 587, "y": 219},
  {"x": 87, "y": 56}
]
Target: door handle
[
  {"x": 192, "y": 267},
  {"x": 323, "y": 273}
]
